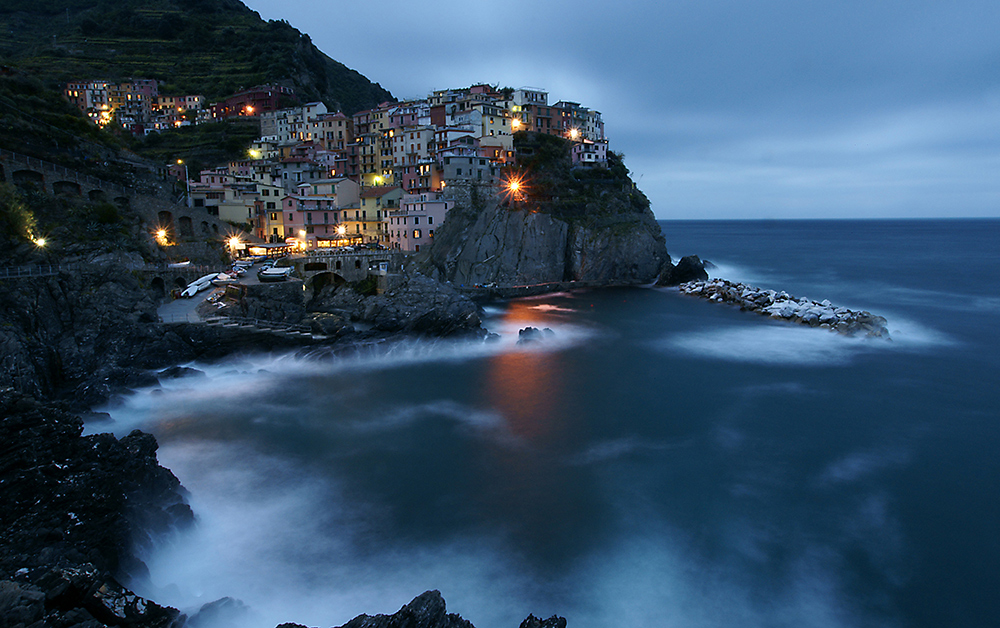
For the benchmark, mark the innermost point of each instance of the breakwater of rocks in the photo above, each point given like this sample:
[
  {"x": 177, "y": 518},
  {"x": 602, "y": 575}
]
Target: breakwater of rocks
[{"x": 783, "y": 306}]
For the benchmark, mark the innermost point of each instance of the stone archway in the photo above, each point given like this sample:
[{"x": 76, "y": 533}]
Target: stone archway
[
  {"x": 67, "y": 188},
  {"x": 97, "y": 196},
  {"x": 185, "y": 227},
  {"x": 158, "y": 286},
  {"x": 317, "y": 282},
  {"x": 204, "y": 228},
  {"x": 165, "y": 219},
  {"x": 122, "y": 202},
  {"x": 3, "y": 175},
  {"x": 28, "y": 178}
]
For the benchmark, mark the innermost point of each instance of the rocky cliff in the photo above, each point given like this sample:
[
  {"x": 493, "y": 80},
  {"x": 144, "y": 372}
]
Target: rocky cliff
[
  {"x": 72, "y": 510},
  {"x": 563, "y": 224}
]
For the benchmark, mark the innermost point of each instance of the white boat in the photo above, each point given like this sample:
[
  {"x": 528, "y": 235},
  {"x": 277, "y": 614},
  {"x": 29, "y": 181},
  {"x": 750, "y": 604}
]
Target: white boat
[
  {"x": 224, "y": 278},
  {"x": 198, "y": 285},
  {"x": 275, "y": 273}
]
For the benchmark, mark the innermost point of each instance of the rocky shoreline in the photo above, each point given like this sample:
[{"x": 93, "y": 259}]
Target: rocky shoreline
[{"x": 783, "y": 306}]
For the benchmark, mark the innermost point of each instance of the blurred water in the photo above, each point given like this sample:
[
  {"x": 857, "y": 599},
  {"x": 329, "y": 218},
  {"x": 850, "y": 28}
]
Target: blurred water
[{"x": 659, "y": 461}]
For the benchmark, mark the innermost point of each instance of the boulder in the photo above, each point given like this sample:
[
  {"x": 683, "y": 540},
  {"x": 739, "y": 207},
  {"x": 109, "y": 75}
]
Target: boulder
[{"x": 689, "y": 268}]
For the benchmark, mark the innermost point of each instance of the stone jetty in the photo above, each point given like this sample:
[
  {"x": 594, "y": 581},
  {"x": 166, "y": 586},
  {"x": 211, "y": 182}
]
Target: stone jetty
[{"x": 781, "y": 305}]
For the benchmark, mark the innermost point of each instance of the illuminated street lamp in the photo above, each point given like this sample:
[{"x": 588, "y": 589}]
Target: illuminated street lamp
[
  {"x": 40, "y": 242},
  {"x": 515, "y": 124},
  {"x": 574, "y": 134},
  {"x": 187, "y": 183},
  {"x": 342, "y": 230}
]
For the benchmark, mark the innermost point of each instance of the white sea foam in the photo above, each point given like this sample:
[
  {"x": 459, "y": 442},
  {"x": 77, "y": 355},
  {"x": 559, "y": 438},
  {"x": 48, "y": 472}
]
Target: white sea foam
[
  {"x": 766, "y": 342},
  {"x": 771, "y": 344},
  {"x": 741, "y": 274},
  {"x": 294, "y": 547}
]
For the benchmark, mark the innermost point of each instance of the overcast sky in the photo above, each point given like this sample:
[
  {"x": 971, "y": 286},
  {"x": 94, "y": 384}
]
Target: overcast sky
[{"x": 724, "y": 109}]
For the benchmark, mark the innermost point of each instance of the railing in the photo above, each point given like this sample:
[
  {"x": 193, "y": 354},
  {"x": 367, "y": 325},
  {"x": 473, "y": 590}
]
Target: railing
[
  {"x": 47, "y": 166},
  {"x": 15, "y": 272},
  {"x": 49, "y": 270}
]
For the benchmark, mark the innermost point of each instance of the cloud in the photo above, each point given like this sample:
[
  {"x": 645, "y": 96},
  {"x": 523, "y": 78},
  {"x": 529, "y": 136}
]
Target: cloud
[{"x": 768, "y": 109}]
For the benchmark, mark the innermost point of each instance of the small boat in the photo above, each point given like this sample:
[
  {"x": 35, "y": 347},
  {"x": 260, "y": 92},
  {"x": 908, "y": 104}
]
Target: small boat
[
  {"x": 224, "y": 278},
  {"x": 274, "y": 273},
  {"x": 198, "y": 285}
]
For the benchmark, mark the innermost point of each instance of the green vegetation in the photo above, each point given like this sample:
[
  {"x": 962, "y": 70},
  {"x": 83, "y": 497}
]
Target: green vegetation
[
  {"x": 586, "y": 195},
  {"x": 201, "y": 146},
  {"x": 208, "y": 47},
  {"x": 39, "y": 122},
  {"x": 17, "y": 222}
]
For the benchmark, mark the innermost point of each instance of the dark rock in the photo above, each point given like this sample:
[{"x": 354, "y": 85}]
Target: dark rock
[
  {"x": 532, "y": 334},
  {"x": 414, "y": 304},
  {"x": 689, "y": 268},
  {"x": 104, "y": 500},
  {"x": 425, "y": 611},
  {"x": 222, "y": 613},
  {"x": 176, "y": 372},
  {"x": 552, "y": 622},
  {"x": 484, "y": 243}
]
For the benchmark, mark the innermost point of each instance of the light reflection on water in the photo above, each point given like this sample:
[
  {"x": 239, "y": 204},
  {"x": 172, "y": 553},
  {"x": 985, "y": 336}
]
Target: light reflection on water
[{"x": 660, "y": 460}]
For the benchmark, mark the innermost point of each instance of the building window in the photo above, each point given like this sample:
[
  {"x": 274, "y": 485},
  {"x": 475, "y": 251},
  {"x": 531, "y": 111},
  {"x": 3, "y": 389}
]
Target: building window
[
  {"x": 430, "y": 221},
  {"x": 416, "y": 233}
]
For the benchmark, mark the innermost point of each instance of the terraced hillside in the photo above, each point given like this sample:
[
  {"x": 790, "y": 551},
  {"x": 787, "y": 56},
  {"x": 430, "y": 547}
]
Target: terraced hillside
[{"x": 209, "y": 47}]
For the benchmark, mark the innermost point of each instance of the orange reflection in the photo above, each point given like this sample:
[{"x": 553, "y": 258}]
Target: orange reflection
[{"x": 525, "y": 384}]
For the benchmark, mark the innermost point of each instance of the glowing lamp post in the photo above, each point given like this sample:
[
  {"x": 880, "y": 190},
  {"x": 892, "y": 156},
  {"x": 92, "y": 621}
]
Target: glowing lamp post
[
  {"x": 574, "y": 134},
  {"x": 187, "y": 183}
]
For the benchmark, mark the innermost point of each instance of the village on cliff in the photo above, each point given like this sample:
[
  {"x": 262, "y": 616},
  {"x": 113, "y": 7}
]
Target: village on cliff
[{"x": 318, "y": 179}]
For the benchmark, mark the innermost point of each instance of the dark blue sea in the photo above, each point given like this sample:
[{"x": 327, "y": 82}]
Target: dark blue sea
[{"x": 659, "y": 461}]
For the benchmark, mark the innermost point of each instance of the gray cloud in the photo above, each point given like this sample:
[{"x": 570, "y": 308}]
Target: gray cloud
[{"x": 777, "y": 108}]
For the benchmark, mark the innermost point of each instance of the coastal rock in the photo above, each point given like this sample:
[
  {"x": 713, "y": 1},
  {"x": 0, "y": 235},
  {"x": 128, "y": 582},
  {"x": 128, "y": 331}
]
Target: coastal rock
[
  {"x": 552, "y": 622},
  {"x": 104, "y": 501},
  {"x": 532, "y": 334},
  {"x": 504, "y": 246},
  {"x": 781, "y": 305},
  {"x": 413, "y": 304},
  {"x": 425, "y": 611},
  {"x": 689, "y": 268}
]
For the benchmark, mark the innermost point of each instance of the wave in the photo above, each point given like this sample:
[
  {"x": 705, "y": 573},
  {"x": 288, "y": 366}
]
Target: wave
[{"x": 789, "y": 344}]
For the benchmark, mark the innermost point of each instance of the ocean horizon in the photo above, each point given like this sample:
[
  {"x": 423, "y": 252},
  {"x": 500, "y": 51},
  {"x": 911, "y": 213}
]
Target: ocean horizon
[{"x": 658, "y": 460}]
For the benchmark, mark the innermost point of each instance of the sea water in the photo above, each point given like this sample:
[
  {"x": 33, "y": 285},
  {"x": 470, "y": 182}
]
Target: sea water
[{"x": 658, "y": 461}]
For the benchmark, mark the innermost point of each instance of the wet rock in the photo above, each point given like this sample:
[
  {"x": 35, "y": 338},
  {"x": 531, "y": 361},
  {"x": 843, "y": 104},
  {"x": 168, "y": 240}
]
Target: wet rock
[
  {"x": 782, "y": 306},
  {"x": 177, "y": 372},
  {"x": 531, "y": 334},
  {"x": 552, "y": 622},
  {"x": 689, "y": 268},
  {"x": 425, "y": 611},
  {"x": 75, "y": 511}
]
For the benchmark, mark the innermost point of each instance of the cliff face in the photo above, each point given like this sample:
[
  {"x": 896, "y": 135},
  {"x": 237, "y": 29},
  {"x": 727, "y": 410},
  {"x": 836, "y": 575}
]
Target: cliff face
[
  {"x": 563, "y": 223},
  {"x": 488, "y": 242}
]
